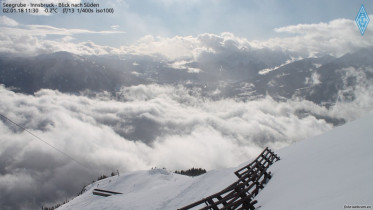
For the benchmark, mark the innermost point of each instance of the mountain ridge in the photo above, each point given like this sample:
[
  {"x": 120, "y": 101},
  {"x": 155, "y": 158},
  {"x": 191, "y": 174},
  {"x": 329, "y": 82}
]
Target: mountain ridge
[{"x": 319, "y": 80}]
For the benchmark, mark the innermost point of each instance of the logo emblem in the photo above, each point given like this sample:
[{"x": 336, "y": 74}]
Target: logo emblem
[{"x": 362, "y": 20}]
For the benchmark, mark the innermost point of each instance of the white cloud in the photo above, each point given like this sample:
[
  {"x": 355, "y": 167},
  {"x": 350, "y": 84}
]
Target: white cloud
[
  {"x": 30, "y": 40},
  {"x": 151, "y": 125},
  {"x": 189, "y": 47},
  {"x": 172, "y": 48},
  {"x": 32, "y": 45},
  {"x": 43, "y": 30},
  {"x": 4, "y": 20},
  {"x": 115, "y": 27},
  {"x": 362, "y": 102},
  {"x": 170, "y": 115},
  {"x": 313, "y": 80},
  {"x": 183, "y": 65},
  {"x": 336, "y": 37}
]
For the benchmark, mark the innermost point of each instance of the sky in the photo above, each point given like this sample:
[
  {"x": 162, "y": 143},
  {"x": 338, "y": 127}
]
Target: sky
[{"x": 133, "y": 20}]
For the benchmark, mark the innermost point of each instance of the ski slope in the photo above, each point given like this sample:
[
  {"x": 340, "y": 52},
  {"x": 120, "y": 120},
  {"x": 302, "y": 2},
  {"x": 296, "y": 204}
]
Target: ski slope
[
  {"x": 325, "y": 172},
  {"x": 330, "y": 171}
]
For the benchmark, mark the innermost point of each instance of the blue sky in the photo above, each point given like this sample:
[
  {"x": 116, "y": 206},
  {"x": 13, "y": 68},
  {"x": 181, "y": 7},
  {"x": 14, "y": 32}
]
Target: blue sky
[{"x": 252, "y": 19}]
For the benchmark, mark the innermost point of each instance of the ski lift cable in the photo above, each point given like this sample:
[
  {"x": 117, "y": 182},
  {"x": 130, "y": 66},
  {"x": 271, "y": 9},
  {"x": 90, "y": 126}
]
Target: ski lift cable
[{"x": 45, "y": 142}]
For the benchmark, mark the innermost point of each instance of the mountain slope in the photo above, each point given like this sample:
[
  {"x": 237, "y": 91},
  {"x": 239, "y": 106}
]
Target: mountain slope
[
  {"x": 324, "y": 172},
  {"x": 61, "y": 71},
  {"x": 153, "y": 189},
  {"x": 320, "y": 80}
]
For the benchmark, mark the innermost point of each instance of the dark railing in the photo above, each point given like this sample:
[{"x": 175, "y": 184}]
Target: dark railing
[
  {"x": 104, "y": 193},
  {"x": 240, "y": 194},
  {"x": 266, "y": 158}
]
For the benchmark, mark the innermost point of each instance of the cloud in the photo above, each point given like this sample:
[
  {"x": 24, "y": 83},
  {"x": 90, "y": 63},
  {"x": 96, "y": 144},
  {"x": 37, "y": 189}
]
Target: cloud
[
  {"x": 336, "y": 38},
  {"x": 30, "y": 40},
  {"x": 171, "y": 48},
  {"x": 355, "y": 100},
  {"x": 33, "y": 45},
  {"x": 146, "y": 126},
  {"x": 44, "y": 30},
  {"x": 115, "y": 27},
  {"x": 4, "y": 20},
  {"x": 207, "y": 52}
]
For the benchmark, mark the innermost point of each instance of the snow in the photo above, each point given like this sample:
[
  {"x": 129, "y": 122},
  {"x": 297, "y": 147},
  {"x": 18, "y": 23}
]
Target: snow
[
  {"x": 152, "y": 189},
  {"x": 325, "y": 172}
]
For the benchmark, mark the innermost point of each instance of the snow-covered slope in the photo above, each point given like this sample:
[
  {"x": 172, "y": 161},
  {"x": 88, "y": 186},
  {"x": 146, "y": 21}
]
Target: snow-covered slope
[
  {"x": 153, "y": 189},
  {"x": 324, "y": 172}
]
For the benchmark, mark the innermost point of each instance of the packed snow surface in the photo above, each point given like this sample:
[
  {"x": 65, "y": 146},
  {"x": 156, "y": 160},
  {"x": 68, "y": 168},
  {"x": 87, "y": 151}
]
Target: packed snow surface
[
  {"x": 330, "y": 171},
  {"x": 325, "y": 172}
]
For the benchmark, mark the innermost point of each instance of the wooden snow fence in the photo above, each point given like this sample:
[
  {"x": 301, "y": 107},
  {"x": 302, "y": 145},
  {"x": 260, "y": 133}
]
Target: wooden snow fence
[
  {"x": 241, "y": 194},
  {"x": 104, "y": 193}
]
